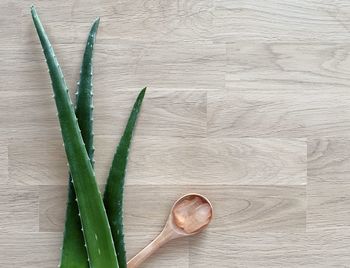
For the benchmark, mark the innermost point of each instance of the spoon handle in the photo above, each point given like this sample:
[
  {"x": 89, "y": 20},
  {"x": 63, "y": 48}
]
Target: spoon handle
[{"x": 164, "y": 237}]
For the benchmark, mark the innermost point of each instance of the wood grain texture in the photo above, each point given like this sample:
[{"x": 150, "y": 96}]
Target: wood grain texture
[
  {"x": 171, "y": 113},
  {"x": 139, "y": 21},
  {"x": 184, "y": 65},
  {"x": 328, "y": 184},
  {"x": 171, "y": 161},
  {"x": 4, "y": 164},
  {"x": 32, "y": 250},
  {"x": 180, "y": 161},
  {"x": 239, "y": 208},
  {"x": 273, "y": 20},
  {"x": 279, "y": 113},
  {"x": 248, "y": 103},
  {"x": 19, "y": 209},
  {"x": 292, "y": 66},
  {"x": 311, "y": 249},
  {"x": 37, "y": 162},
  {"x": 164, "y": 114}
]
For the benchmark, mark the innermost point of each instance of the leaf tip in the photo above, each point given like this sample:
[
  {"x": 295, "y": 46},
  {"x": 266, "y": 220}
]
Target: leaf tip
[
  {"x": 96, "y": 22},
  {"x": 142, "y": 94},
  {"x": 33, "y": 10}
]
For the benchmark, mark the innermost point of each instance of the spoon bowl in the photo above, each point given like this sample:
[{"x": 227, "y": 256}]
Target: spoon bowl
[{"x": 189, "y": 215}]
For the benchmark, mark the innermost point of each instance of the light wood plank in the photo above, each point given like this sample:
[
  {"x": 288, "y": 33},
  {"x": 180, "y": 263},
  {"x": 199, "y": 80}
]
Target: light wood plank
[
  {"x": 313, "y": 249},
  {"x": 279, "y": 113},
  {"x": 12, "y": 31},
  {"x": 30, "y": 115},
  {"x": 328, "y": 160},
  {"x": 129, "y": 65},
  {"x": 169, "y": 21},
  {"x": 30, "y": 250},
  {"x": 160, "y": 65},
  {"x": 37, "y": 162},
  {"x": 169, "y": 113},
  {"x": 28, "y": 62},
  {"x": 207, "y": 161},
  {"x": 164, "y": 114},
  {"x": 237, "y": 209},
  {"x": 273, "y": 20},
  {"x": 292, "y": 66},
  {"x": 56, "y": 17},
  {"x": 53, "y": 203},
  {"x": 19, "y": 209},
  {"x": 328, "y": 184},
  {"x": 137, "y": 21},
  {"x": 328, "y": 206},
  {"x": 171, "y": 161},
  {"x": 3, "y": 161}
]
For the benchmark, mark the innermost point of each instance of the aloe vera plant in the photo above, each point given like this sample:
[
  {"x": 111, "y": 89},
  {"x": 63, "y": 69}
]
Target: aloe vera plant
[
  {"x": 113, "y": 196},
  {"x": 73, "y": 251},
  {"x": 94, "y": 246}
]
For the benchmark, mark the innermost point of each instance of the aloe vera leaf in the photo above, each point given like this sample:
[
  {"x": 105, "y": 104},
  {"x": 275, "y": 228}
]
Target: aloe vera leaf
[
  {"x": 113, "y": 196},
  {"x": 73, "y": 251},
  {"x": 96, "y": 229}
]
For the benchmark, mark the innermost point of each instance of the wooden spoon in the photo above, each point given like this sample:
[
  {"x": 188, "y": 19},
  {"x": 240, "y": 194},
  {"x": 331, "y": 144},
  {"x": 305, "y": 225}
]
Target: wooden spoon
[{"x": 189, "y": 215}]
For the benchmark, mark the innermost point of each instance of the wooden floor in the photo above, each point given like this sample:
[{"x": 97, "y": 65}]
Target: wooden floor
[{"x": 248, "y": 102}]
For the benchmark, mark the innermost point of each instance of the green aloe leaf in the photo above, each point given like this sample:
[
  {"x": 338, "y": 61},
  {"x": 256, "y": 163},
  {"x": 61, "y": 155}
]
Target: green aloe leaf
[
  {"x": 113, "y": 196},
  {"x": 74, "y": 254},
  {"x": 96, "y": 229}
]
